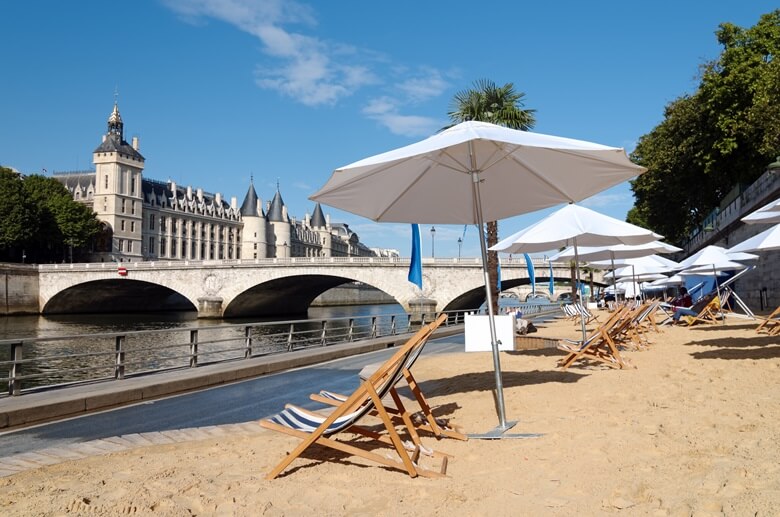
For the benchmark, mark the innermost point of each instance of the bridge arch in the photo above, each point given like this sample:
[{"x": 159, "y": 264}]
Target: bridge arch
[
  {"x": 116, "y": 295},
  {"x": 233, "y": 288}
]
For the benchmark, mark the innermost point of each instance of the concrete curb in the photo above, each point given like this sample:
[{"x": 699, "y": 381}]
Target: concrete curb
[{"x": 54, "y": 404}]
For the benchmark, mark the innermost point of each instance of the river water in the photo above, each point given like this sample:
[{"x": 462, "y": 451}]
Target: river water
[
  {"x": 167, "y": 339},
  {"x": 91, "y": 356}
]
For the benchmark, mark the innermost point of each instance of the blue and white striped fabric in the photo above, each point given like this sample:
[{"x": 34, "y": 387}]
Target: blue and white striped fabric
[{"x": 294, "y": 418}]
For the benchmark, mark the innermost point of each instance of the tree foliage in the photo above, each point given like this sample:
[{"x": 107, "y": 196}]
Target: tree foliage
[
  {"x": 719, "y": 137},
  {"x": 18, "y": 216},
  {"x": 38, "y": 217},
  {"x": 501, "y": 105}
]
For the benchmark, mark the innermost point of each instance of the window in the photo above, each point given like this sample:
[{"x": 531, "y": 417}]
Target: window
[
  {"x": 254, "y": 246},
  {"x": 132, "y": 226},
  {"x": 151, "y": 221},
  {"x": 132, "y": 188},
  {"x": 106, "y": 182},
  {"x": 162, "y": 223},
  {"x": 121, "y": 245},
  {"x": 123, "y": 224},
  {"x": 132, "y": 208},
  {"x": 123, "y": 206},
  {"x": 151, "y": 245}
]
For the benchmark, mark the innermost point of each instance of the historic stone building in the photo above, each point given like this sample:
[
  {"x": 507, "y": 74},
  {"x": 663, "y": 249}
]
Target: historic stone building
[{"x": 145, "y": 219}]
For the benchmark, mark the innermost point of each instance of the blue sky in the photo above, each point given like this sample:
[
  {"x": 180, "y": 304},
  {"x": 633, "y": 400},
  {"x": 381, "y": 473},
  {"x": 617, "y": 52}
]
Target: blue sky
[{"x": 222, "y": 90}]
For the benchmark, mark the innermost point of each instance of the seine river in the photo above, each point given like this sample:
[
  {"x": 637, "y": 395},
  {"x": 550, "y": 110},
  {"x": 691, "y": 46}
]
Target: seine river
[
  {"x": 73, "y": 324},
  {"x": 91, "y": 356}
]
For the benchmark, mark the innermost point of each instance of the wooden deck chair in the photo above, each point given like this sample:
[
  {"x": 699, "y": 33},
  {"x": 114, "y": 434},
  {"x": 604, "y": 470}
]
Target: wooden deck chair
[
  {"x": 315, "y": 428},
  {"x": 708, "y": 313},
  {"x": 771, "y": 323},
  {"x": 398, "y": 412},
  {"x": 598, "y": 346}
]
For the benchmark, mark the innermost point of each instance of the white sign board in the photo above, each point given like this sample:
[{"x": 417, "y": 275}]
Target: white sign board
[{"x": 478, "y": 333}]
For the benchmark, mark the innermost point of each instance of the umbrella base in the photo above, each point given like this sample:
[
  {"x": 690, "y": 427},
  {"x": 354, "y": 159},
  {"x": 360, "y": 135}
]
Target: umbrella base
[{"x": 498, "y": 433}]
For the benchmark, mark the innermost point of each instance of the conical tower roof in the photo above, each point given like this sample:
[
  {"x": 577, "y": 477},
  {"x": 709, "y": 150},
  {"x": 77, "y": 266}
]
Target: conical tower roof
[
  {"x": 275, "y": 212},
  {"x": 317, "y": 218},
  {"x": 249, "y": 206}
]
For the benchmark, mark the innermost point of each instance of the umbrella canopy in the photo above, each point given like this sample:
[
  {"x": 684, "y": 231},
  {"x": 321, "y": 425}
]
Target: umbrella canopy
[
  {"x": 769, "y": 213},
  {"x": 518, "y": 172},
  {"x": 657, "y": 262},
  {"x": 574, "y": 225},
  {"x": 471, "y": 173},
  {"x": 672, "y": 280},
  {"x": 764, "y": 241},
  {"x": 615, "y": 251},
  {"x": 714, "y": 258},
  {"x": 638, "y": 271}
]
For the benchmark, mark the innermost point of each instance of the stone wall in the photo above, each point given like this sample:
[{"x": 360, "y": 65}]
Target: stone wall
[
  {"x": 352, "y": 294},
  {"x": 18, "y": 289}
]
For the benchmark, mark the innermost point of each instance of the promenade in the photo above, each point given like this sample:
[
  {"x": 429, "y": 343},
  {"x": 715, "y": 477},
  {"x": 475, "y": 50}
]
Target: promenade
[{"x": 20, "y": 415}]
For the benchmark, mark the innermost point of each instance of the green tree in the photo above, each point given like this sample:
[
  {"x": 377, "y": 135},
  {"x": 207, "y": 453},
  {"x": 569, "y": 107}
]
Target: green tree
[
  {"x": 66, "y": 224},
  {"x": 501, "y": 105},
  {"x": 18, "y": 216},
  {"x": 719, "y": 137}
]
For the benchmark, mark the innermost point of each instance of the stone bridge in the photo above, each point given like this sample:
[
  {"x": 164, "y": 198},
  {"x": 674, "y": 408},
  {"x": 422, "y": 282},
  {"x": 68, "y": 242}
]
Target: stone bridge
[{"x": 271, "y": 287}]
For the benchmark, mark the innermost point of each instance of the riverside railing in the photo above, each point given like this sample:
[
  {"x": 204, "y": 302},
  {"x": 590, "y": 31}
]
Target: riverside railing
[{"x": 32, "y": 364}]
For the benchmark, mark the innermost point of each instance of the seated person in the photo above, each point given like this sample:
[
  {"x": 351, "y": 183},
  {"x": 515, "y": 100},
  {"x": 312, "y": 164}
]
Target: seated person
[{"x": 681, "y": 305}]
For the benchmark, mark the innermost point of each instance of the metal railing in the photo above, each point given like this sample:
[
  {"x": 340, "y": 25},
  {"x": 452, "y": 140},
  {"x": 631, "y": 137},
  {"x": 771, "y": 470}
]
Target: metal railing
[{"x": 32, "y": 364}]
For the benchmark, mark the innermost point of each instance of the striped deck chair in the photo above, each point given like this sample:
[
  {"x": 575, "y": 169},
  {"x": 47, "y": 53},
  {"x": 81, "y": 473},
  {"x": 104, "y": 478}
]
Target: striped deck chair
[
  {"x": 398, "y": 412},
  {"x": 315, "y": 428},
  {"x": 598, "y": 346}
]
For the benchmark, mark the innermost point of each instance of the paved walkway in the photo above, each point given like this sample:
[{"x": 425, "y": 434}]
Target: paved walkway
[
  {"x": 11, "y": 465},
  {"x": 36, "y": 408}
]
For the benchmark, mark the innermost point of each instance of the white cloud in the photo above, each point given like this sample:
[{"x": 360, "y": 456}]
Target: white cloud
[
  {"x": 314, "y": 71},
  {"x": 308, "y": 73},
  {"x": 385, "y": 111}
]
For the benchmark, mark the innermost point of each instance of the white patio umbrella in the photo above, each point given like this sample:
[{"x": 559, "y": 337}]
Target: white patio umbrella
[
  {"x": 669, "y": 281},
  {"x": 764, "y": 241},
  {"x": 471, "y": 173},
  {"x": 769, "y": 213},
  {"x": 616, "y": 251},
  {"x": 574, "y": 225},
  {"x": 711, "y": 260}
]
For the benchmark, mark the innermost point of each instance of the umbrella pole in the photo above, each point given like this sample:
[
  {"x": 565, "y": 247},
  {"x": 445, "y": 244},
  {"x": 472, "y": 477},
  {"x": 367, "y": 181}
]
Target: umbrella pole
[
  {"x": 720, "y": 300},
  {"x": 578, "y": 291},
  {"x": 614, "y": 276},
  {"x": 503, "y": 425}
]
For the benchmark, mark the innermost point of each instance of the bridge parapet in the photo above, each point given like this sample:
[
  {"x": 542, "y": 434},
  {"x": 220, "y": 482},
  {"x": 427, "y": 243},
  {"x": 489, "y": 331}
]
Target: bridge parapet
[{"x": 276, "y": 286}]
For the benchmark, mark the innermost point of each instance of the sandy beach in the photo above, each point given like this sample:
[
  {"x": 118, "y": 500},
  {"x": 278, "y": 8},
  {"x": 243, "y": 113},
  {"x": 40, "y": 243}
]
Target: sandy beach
[{"x": 693, "y": 430}]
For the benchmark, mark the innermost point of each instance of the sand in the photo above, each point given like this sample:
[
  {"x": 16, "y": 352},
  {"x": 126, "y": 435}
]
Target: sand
[{"x": 693, "y": 430}]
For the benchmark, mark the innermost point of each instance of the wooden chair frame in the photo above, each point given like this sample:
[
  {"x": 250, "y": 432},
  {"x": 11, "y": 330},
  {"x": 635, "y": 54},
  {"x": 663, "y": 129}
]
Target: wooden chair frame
[{"x": 365, "y": 400}]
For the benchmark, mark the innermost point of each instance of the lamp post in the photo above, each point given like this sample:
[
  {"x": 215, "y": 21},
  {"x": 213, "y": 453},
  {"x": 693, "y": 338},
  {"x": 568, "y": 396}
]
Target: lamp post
[
  {"x": 460, "y": 245},
  {"x": 433, "y": 242}
]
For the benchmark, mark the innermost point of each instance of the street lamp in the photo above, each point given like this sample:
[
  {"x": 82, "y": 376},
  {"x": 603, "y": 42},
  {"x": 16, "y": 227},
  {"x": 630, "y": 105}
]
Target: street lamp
[
  {"x": 460, "y": 245},
  {"x": 433, "y": 242}
]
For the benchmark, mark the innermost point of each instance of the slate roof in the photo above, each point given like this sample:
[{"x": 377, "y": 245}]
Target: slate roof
[
  {"x": 249, "y": 206},
  {"x": 275, "y": 209},
  {"x": 317, "y": 218}
]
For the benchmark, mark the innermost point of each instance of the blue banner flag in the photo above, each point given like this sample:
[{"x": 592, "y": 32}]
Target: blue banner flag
[
  {"x": 498, "y": 272},
  {"x": 415, "y": 266},
  {"x": 552, "y": 281},
  {"x": 531, "y": 277}
]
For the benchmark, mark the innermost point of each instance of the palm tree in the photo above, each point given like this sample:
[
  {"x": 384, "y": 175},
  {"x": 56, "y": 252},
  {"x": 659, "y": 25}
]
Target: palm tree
[{"x": 501, "y": 105}]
